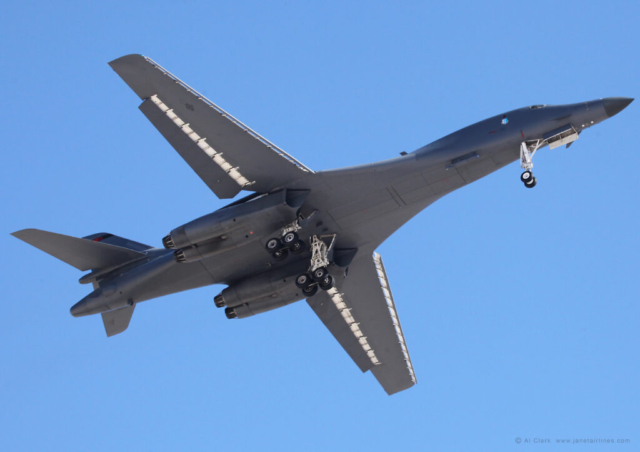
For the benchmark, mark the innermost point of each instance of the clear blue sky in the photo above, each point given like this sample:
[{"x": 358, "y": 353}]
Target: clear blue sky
[{"x": 520, "y": 307}]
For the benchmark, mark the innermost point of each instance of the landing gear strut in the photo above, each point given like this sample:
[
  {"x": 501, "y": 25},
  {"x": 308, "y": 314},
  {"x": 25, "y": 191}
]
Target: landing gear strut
[
  {"x": 526, "y": 155},
  {"x": 317, "y": 276}
]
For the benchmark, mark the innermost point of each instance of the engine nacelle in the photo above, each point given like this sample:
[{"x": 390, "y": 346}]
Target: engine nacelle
[
  {"x": 263, "y": 305},
  {"x": 214, "y": 246},
  {"x": 266, "y": 285},
  {"x": 256, "y": 216},
  {"x": 260, "y": 293}
]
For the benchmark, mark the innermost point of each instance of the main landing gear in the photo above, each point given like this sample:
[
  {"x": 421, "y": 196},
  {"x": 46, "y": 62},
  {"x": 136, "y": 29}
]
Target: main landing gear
[
  {"x": 526, "y": 155},
  {"x": 288, "y": 242},
  {"x": 318, "y": 276}
]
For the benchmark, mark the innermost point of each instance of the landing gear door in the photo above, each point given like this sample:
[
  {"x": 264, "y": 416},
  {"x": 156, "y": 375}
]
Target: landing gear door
[{"x": 562, "y": 135}]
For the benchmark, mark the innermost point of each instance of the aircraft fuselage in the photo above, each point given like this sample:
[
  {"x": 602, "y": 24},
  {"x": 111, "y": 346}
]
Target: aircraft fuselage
[{"x": 352, "y": 203}]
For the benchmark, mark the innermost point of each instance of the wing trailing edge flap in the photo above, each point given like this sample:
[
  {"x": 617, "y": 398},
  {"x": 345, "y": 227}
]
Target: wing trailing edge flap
[
  {"x": 322, "y": 304},
  {"x": 211, "y": 174},
  {"x": 82, "y": 254},
  {"x": 361, "y": 314},
  {"x": 226, "y": 154}
]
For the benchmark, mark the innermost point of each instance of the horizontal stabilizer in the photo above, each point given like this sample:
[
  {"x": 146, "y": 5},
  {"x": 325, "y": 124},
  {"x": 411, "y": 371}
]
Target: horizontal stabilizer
[
  {"x": 115, "y": 322},
  {"x": 82, "y": 254},
  {"x": 112, "y": 239}
]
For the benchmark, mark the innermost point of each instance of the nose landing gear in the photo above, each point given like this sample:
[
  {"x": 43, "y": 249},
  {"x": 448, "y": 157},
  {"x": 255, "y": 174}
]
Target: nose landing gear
[
  {"x": 526, "y": 155},
  {"x": 528, "y": 179}
]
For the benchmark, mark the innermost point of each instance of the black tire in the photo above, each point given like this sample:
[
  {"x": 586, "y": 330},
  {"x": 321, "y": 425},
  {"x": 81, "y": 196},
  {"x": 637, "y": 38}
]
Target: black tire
[
  {"x": 297, "y": 247},
  {"x": 230, "y": 313},
  {"x": 531, "y": 184},
  {"x": 289, "y": 238},
  {"x": 273, "y": 245},
  {"x": 526, "y": 176},
  {"x": 319, "y": 274},
  {"x": 303, "y": 280},
  {"x": 327, "y": 283},
  {"x": 281, "y": 254},
  {"x": 310, "y": 291}
]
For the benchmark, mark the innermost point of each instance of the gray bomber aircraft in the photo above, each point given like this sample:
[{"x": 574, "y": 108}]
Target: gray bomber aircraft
[{"x": 300, "y": 234}]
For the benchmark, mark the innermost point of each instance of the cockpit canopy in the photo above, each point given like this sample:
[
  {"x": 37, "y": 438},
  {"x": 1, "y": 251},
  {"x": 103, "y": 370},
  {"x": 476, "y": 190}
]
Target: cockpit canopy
[{"x": 533, "y": 107}]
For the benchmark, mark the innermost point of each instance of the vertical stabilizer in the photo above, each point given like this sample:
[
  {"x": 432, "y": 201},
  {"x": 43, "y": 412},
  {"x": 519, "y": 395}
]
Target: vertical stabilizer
[{"x": 115, "y": 322}]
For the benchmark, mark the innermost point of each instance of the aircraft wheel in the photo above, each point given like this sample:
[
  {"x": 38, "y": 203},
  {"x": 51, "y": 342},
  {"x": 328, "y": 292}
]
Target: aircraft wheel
[
  {"x": 532, "y": 183},
  {"x": 230, "y": 313},
  {"x": 273, "y": 244},
  {"x": 319, "y": 274},
  {"x": 327, "y": 283},
  {"x": 281, "y": 254},
  {"x": 302, "y": 280},
  {"x": 310, "y": 291},
  {"x": 526, "y": 176},
  {"x": 297, "y": 247},
  {"x": 290, "y": 238}
]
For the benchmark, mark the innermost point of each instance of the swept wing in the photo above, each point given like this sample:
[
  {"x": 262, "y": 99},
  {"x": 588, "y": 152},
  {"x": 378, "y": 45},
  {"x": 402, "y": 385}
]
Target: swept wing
[
  {"x": 226, "y": 154},
  {"x": 361, "y": 314}
]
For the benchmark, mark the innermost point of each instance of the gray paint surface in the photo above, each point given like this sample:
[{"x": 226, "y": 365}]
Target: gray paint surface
[{"x": 361, "y": 205}]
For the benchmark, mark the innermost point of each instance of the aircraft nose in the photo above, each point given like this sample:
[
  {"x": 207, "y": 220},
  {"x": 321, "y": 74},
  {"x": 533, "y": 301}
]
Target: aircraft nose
[{"x": 614, "y": 105}]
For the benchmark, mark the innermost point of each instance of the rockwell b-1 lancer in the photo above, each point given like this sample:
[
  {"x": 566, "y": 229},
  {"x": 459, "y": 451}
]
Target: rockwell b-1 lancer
[{"x": 299, "y": 234}]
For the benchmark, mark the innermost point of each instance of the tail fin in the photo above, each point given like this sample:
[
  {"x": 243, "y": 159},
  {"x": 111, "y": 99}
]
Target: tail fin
[
  {"x": 89, "y": 253},
  {"x": 115, "y": 322}
]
